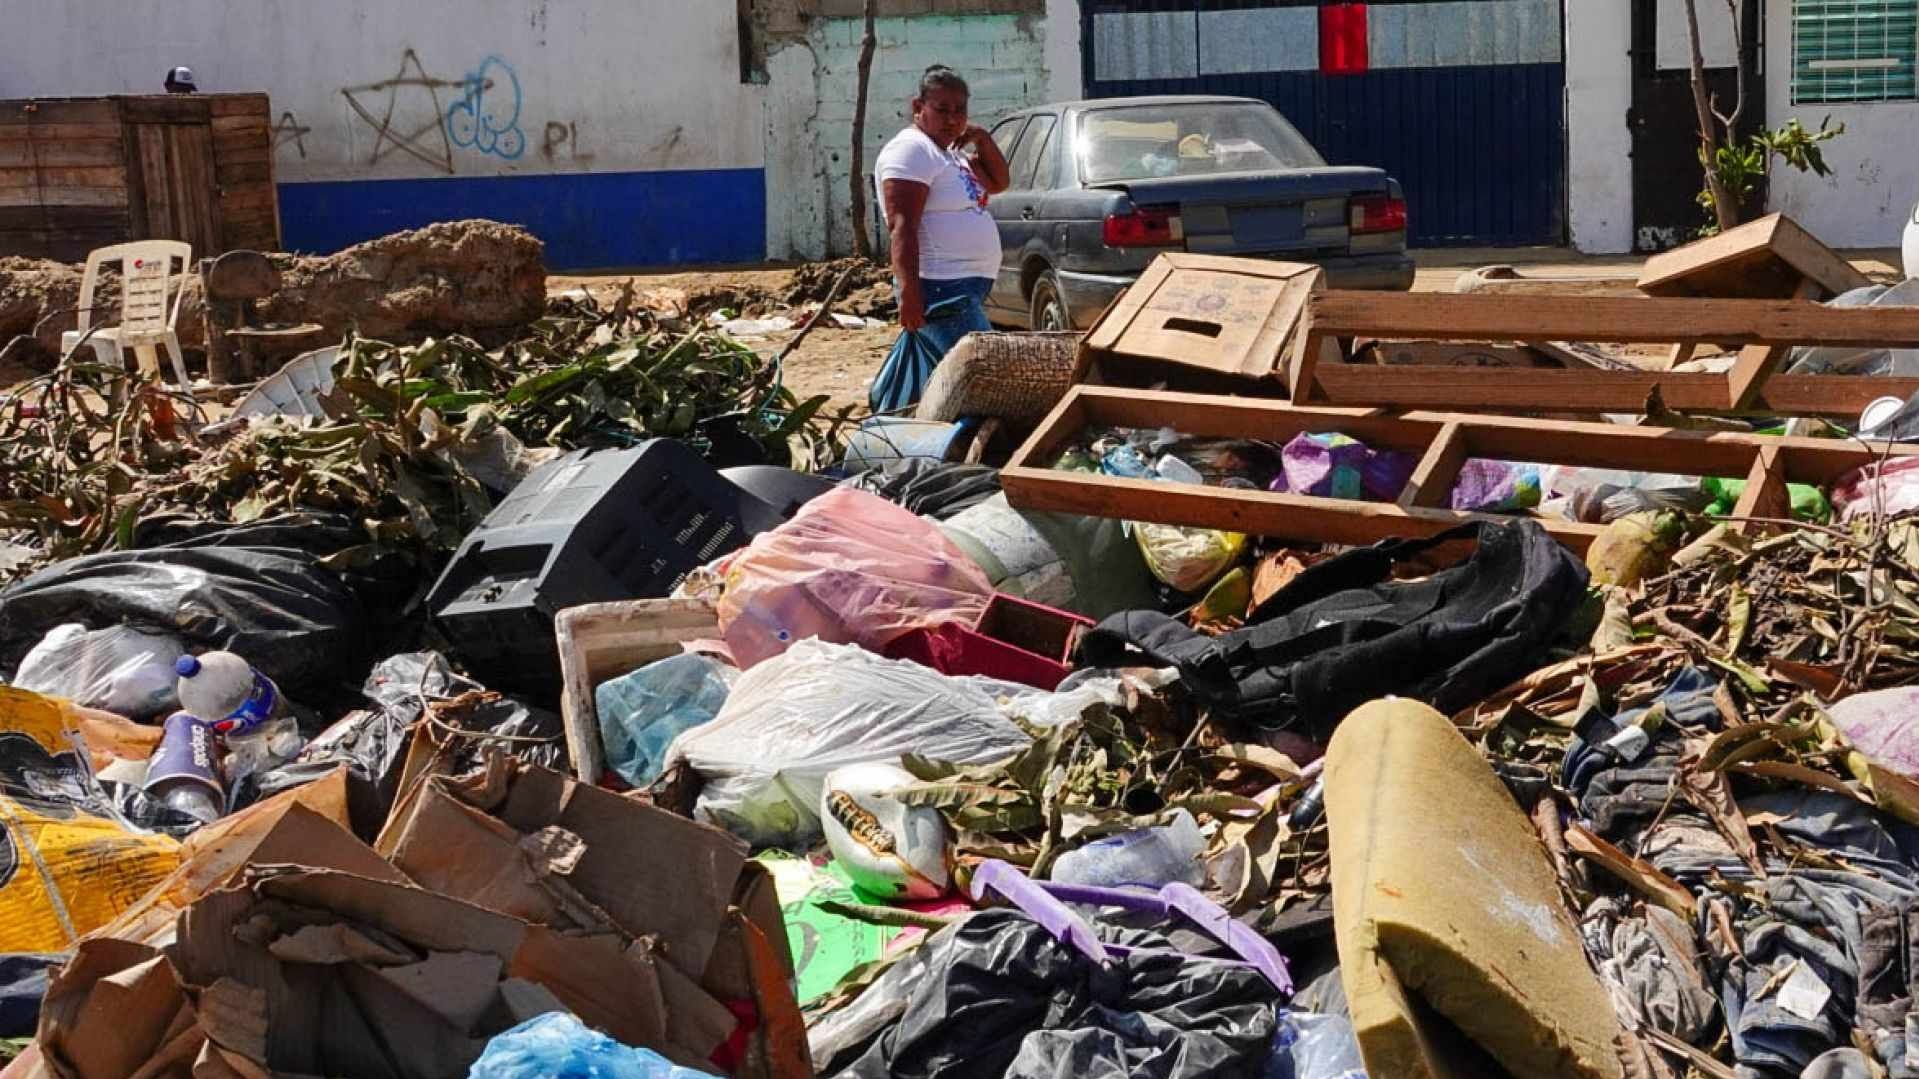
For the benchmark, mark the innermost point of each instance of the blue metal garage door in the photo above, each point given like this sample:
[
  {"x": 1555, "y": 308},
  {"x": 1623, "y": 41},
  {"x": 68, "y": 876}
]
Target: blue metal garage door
[{"x": 1463, "y": 101}]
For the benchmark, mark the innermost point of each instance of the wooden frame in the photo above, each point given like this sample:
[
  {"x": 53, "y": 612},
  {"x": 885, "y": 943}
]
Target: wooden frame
[
  {"x": 1765, "y": 328},
  {"x": 1441, "y": 441}
]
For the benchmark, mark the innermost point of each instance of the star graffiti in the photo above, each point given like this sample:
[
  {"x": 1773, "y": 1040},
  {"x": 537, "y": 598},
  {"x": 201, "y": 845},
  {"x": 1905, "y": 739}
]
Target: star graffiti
[{"x": 401, "y": 126}]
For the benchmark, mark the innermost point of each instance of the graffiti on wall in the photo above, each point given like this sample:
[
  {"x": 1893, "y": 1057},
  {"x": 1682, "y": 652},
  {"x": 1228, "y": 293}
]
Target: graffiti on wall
[
  {"x": 290, "y": 132},
  {"x": 405, "y": 115},
  {"x": 427, "y": 117},
  {"x": 487, "y": 116}
]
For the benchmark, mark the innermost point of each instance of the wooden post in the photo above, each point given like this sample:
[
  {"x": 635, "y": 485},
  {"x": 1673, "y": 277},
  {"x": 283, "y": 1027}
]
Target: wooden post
[
  {"x": 1765, "y": 494},
  {"x": 862, "y": 240},
  {"x": 1432, "y": 482}
]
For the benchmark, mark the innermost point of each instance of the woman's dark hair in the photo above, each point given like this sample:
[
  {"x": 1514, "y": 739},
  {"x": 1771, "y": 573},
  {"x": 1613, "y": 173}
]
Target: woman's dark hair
[{"x": 941, "y": 77}]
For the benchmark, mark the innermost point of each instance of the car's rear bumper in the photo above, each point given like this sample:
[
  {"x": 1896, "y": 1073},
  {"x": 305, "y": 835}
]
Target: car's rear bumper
[{"x": 1089, "y": 294}]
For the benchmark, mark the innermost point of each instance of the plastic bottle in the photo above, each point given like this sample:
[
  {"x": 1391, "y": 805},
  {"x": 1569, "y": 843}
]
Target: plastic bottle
[
  {"x": 1150, "y": 857},
  {"x": 185, "y": 773},
  {"x": 226, "y": 691},
  {"x": 244, "y": 706}
]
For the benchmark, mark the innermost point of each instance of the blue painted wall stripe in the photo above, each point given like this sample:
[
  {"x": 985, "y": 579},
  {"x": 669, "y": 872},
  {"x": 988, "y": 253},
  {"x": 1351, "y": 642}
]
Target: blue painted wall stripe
[{"x": 588, "y": 220}]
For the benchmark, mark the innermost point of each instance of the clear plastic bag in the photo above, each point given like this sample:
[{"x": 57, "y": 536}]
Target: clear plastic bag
[
  {"x": 1188, "y": 559},
  {"x": 558, "y": 1046},
  {"x": 642, "y": 712},
  {"x": 1313, "y": 1046},
  {"x": 117, "y": 669},
  {"x": 851, "y": 568},
  {"x": 794, "y": 719},
  {"x": 1603, "y": 495}
]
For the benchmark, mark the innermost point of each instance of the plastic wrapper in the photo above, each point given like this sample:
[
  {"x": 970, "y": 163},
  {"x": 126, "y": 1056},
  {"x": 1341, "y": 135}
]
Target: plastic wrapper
[
  {"x": 1336, "y": 466},
  {"x": 1891, "y": 490},
  {"x": 851, "y": 568},
  {"x": 1871, "y": 362},
  {"x": 1603, "y": 495},
  {"x": 1311, "y": 1046},
  {"x": 1808, "y": 503},
  {"x": 1187, "y": 559},
  {"x": 69, "y": 863},
  {"x": 558, "y": 1046},
  {"x": 119, "y": 669},
  {"x": 1495, "y": 487},
  {"x": 643, "y": 711},
  {"x": 936, "y": 490},
  {"x": 791, "y": 721},
  {"x": 1153, "y": 1014}
]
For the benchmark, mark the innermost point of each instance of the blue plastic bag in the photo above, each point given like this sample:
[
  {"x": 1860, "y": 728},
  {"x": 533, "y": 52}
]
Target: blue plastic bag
[
  {"x": 907, "y": 370},
  {"x": 642, "y": 712},
  {"x": 558, "y": 1046}
]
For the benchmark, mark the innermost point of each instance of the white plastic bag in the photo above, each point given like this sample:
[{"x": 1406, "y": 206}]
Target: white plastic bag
[
  {"x": 1603, "y": 495},
  {"x": 116, "y": 669},
  {"x": 817, "y": 707}
]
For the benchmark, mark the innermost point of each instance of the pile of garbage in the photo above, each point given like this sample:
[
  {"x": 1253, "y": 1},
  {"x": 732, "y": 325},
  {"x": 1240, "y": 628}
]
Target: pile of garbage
[{"x": 583, "y": 707}]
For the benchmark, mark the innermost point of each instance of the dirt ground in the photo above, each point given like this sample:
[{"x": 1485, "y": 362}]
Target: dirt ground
[{"x": 841, "y": 363}]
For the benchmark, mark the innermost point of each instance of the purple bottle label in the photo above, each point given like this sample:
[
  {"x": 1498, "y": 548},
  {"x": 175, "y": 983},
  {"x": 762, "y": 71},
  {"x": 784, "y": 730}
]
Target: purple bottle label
[
  {"x": 187, "y": 753},
  {"x": 259, "y": 707}
]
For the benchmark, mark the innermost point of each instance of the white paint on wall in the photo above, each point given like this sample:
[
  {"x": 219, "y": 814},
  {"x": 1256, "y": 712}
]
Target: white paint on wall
[
  {"x": 371, "y": 89},
  {"x": 1718, "y": 40},
  {"x": 813, "y": 88},
  {"x": 1598, "y": 142},
  {"x": 1869, "y": 198},
  {"x": 1065, "y": 78}
]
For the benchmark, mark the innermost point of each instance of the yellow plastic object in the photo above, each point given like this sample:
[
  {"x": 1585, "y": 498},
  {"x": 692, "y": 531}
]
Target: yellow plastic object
[
  {"x": 68, "y": 866},
  {"x": 1187, "y": 559}
]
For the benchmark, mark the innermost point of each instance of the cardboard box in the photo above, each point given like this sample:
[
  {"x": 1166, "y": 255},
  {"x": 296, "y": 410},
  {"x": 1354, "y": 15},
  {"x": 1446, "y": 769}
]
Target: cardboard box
[{"x": 1204, "y": 317}]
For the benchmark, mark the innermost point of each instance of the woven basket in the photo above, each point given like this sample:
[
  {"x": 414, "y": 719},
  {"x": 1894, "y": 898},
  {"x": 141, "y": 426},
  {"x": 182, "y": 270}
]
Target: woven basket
[{"x": 1017, "y": 377}]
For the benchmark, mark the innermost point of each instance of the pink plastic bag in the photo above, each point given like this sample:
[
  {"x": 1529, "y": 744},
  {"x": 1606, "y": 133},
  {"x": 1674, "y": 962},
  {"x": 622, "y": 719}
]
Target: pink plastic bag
[
  {"x": 850, "y": 568},
  {"x": 1891, "y": 489}
]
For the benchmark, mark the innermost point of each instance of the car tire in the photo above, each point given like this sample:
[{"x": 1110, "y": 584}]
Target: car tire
[{"x": 1048, "y": 311}]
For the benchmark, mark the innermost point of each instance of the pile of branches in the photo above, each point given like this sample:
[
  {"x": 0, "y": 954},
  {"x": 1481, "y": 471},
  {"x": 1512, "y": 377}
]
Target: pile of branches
[{"x": 417, "y": 441}]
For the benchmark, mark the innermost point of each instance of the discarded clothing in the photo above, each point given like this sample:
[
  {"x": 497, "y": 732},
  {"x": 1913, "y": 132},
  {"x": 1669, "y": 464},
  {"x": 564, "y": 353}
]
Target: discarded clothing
[{"x": 1343, "y": 633}]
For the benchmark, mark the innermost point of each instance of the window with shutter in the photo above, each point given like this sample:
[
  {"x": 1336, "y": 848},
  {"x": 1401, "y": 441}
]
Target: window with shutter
[{"x": 1854, "y": 50}]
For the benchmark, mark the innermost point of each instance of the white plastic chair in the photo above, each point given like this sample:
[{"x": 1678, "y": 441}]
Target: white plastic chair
[{"x": 150, "y": 293}]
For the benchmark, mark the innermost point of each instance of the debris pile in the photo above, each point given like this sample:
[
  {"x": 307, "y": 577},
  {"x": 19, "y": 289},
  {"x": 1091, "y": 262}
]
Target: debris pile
[{"x": 576, "y": 703}]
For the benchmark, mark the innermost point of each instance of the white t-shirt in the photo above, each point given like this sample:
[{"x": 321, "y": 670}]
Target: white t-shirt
[{"x": 957, "y": 235}]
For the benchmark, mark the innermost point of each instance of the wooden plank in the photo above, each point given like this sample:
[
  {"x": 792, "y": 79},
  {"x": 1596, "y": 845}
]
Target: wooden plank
[
  {"x": 19, "y": 153},
  {"x": 247, "y": 127},
  {"x": 166, "y": 109},
  {"x": 54, "y": 180},
  {"x": 1432, "y": 481},
  {"x": 1031, "y": 482},
  {"x": 1453, "y": 317},
  {"x": 69, "y": 196},
  {"x": 1755, "y": 365},
  {"x": 54, "y": 133},
  {"x": 223, "y": 106},
  {"x": 251, "y": 198},
  {"x": 1765, "y": 494},
  {"x": 61, "y": 245},
  {"x": 231, "y": 174},
  {"x": 1470, "y": 389},
  {"x": 15, "y": 218},
  {"x": 242, "y": 152},
  {"x": 96, "y": 110},
  {"x": 1762, "y": 259}
]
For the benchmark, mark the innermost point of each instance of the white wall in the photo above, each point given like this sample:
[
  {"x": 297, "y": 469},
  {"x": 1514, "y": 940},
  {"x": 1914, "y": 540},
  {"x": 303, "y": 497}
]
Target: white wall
[
  {"x": 1875, "y": 164},
  {"x": 603, "y": 85},
  {"x": 1010, "y": 61},
  {"x": 1598, "y": 142}
]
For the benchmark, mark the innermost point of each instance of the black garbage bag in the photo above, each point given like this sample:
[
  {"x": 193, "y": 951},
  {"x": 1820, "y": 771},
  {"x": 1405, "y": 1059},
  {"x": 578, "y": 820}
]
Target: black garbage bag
[
  {"x": 997, "y": 996},
  {"x": 1344, "y": 632},
  {"x": 929, "y": 488},
  {"x": 288, "y": 615},
  {"x": 23, "y": 982}
]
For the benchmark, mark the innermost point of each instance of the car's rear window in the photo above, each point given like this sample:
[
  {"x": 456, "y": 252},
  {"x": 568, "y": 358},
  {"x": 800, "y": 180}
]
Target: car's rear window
[{"x": 1135, "y": 142}]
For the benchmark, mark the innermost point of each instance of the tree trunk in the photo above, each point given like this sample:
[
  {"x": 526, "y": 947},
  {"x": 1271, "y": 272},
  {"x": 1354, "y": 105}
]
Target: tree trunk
[
  {"x": 862, "y": 240},
  {"x": 1724, "y": 209}
]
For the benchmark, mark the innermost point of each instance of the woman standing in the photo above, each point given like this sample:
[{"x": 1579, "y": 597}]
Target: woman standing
[{"x": 935, "y": 178}]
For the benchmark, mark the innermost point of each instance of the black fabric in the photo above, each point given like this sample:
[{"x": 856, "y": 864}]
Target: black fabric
[
  {"x": 23, "y": 982},
  {"x": 929, "y": 488},
  {"x": 1343, "y": 633},
  {"x": 288, "y": 615},
  {"x": 1001, "y": 998}
]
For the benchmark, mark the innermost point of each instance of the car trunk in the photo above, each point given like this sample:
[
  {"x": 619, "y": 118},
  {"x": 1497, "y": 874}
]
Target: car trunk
[{"x": 1291, "y": 211}]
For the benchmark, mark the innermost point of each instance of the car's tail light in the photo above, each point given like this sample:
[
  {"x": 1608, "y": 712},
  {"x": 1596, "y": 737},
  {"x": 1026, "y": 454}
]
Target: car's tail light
[
  {"x": 1377, "y": 213},
  {"x": 1144, "y": 228}
]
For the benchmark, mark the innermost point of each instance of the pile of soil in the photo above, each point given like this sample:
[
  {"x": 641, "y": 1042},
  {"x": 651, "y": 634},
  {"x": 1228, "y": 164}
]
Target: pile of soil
[{"x": 868, "y": 293}]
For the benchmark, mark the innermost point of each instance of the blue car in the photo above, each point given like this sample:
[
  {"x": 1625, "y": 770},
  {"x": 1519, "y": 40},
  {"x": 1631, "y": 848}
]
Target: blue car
[{"x": 1099, "y": 188}]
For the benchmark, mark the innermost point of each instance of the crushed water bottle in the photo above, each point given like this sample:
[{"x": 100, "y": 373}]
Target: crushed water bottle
[
  {"x": 1148, "y": 858},
  {"x": 244, "y": 706}
]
